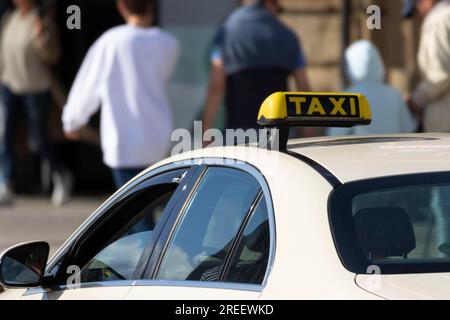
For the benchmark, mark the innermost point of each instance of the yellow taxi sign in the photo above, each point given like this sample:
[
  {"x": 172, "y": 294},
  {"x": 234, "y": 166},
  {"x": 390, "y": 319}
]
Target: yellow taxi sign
[{"x": 315, "y": 109}]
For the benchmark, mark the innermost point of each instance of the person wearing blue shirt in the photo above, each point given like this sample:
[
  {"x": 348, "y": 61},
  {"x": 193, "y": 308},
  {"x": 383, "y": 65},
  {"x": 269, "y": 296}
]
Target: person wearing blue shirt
[{"x": 254, "y": 55}]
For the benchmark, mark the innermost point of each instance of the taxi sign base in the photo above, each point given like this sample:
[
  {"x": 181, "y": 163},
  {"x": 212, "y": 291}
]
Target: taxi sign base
[{"x": 283, "y": 110}]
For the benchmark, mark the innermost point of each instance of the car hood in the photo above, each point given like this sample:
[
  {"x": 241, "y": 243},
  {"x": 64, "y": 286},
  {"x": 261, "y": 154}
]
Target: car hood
[
  {"x": 12, "y": 294},
  {"x": 435, "y": 286}
]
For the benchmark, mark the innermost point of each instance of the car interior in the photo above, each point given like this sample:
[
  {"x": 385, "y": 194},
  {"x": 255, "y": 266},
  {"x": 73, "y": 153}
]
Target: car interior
[
  {"x": 250, "y": 264},
  {"x": 133, "y": 216},
  {"x": 385, "y": 232}
]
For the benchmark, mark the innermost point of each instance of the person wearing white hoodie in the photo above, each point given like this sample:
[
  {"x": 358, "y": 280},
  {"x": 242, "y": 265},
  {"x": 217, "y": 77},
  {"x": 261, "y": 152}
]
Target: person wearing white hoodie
[{"x": 366, "y": 70}]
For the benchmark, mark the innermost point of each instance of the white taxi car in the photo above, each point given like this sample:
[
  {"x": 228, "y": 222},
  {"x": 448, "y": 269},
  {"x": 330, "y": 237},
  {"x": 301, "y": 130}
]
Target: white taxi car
[{"x": 323, "y": 218}]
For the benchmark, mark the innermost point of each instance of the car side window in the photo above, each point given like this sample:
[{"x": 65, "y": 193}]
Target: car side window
[
  {"x": 116, "y": 247},
  {"x": 209, "y": 225},
  {"x": 249, "y": 262},
  {"x": 120, "y": 257}
]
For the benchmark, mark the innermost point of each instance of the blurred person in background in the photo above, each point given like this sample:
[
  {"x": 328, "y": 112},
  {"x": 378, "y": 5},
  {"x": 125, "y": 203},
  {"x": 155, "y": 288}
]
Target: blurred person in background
[
  {"x": 432, "y": 96},
  {"x": 254, "y": 55},
  {"x": 29, "y": 47},
  {"x": 126, "y": 71},
  {"x": 366, "y": 71}
]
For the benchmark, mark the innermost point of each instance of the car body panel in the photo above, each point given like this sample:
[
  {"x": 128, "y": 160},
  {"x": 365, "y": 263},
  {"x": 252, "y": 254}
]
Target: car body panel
[
  {"x": 95, "y": 293},
  {"x": 305, "y": 263},
  {"x": 162, "y": 290},
  {"x": 432, "y": 286},
  {"x": 300, "y": 198},
  {"x": 357, "y": 158}
]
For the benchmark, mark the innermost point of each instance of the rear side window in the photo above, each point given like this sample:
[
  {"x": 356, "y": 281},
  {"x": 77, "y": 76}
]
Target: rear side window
[
  {"x": 209, "y": 225},
  {"x": 401, "y": 224}
]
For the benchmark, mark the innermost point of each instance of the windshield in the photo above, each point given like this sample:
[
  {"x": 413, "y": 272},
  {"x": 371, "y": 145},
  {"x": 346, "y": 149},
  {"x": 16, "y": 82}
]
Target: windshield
[{"x": 401, "y": 224}]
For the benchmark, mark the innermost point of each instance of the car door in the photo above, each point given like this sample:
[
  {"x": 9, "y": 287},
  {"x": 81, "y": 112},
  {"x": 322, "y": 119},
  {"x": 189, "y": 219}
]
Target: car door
[
  {"x": 111, "y": 253},
  {"x": 218, "y": 245}
]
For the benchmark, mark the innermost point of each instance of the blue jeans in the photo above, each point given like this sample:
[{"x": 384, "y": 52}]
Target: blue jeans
[
  {"x": 122, "y": 176},
  {"x": 36, "y": 109}
]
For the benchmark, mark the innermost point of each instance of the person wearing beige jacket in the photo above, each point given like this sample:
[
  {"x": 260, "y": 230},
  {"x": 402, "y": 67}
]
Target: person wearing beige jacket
[
  {"x": 432, "y": 95},
  {"x": 28, "y": 47}
]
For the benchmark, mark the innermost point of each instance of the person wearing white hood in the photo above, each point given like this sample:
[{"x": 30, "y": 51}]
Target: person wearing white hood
[{"x": 366, "y": 70}]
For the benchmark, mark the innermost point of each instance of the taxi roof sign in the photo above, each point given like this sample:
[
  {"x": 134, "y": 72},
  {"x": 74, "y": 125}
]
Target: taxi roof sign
[{"x": 291, "y": 109}]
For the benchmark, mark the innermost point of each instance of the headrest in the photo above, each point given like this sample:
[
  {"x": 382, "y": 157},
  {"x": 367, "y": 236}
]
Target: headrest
[{"x": 385, "y": 232}]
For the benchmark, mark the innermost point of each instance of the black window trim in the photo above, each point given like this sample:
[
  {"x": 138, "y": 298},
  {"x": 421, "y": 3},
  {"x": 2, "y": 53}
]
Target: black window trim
[
  {"x": 344, "y": 237},
  {"x": 154, "y": 260}
]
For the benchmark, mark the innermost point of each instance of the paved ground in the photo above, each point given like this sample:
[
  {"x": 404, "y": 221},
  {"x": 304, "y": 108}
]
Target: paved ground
[{"x": 36, "y": 219}]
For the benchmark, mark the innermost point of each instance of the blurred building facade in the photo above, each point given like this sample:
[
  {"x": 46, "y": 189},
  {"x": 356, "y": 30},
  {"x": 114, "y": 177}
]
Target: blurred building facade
[{"x": 326, "y": 27}]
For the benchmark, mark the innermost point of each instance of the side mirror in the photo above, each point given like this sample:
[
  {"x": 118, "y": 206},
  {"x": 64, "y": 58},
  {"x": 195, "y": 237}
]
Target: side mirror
[{"x": 23, "y": 266}]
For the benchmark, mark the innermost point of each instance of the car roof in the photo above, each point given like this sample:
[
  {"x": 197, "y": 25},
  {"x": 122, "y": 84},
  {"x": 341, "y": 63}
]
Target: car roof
[{"x": 354, "y": 158}]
